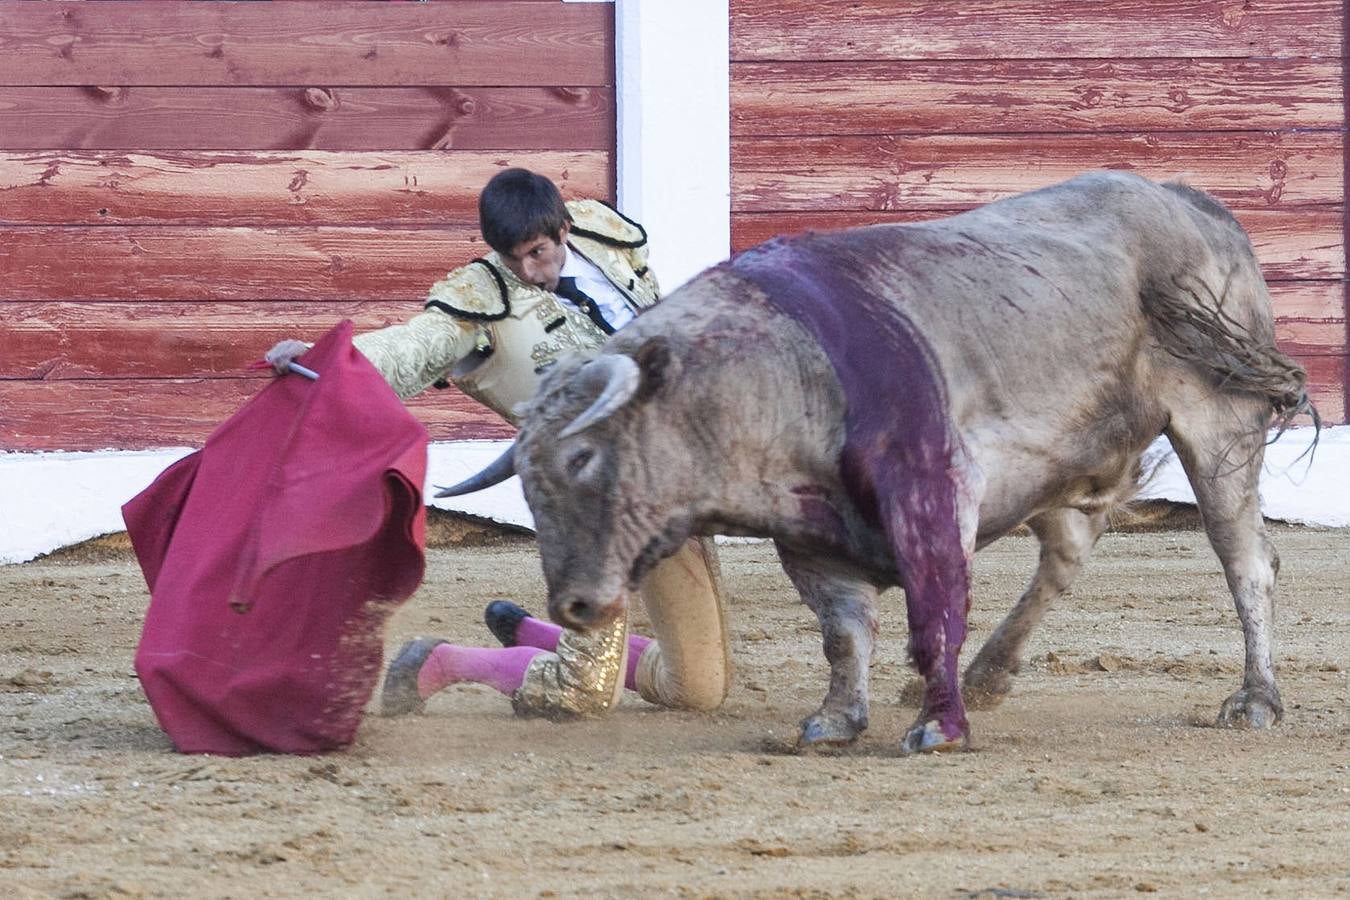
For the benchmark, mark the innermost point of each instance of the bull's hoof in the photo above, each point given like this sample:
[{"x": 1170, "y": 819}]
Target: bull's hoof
[
  {"x": 823, "y": 729},
  {"x": 928, "y": 737},
  {"x": 986, "y": 692},
  {"x": 983, "y": 699},
  {"x": 985, "y": 686},
  {"x": 1254, "y": 707}
]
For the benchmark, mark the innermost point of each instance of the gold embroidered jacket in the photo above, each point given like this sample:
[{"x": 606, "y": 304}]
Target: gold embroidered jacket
[{"x": 492, "y": 334}]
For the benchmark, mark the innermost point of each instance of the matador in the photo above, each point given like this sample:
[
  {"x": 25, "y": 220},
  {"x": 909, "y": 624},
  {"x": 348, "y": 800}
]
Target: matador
[{"x": 560, "y": 278}]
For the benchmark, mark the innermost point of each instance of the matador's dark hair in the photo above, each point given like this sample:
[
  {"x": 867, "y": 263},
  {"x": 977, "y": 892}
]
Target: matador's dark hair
[{"x": 517, "y": 206}]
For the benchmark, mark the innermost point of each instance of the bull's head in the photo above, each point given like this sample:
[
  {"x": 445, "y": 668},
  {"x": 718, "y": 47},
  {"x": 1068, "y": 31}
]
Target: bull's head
[{"x": 598, "y": 455}]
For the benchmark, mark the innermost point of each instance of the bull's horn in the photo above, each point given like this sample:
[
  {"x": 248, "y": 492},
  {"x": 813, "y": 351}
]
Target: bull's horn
[
  {"x": 622, "y": 379},
  {"x": 500, "y": 469}
]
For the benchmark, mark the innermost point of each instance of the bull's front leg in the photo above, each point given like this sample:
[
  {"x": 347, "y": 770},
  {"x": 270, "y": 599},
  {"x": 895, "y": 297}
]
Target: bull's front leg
[
  {"x": 932, "y": 523},
  {"x": 846, "y": 609},
  {"x": 937, "y": 601}
]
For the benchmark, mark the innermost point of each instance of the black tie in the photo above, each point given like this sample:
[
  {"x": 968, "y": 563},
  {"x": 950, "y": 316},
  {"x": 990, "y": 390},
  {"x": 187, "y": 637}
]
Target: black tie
[{"x": 567, "y": 289}]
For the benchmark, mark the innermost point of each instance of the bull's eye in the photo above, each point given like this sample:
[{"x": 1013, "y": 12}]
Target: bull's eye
[{"x": 577, "y": 461}]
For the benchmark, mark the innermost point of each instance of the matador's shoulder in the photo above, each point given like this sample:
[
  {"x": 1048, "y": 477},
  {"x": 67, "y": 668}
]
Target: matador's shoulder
[
  {"x": 475, "y": 291},
  {"x": 601, "y": 222}
]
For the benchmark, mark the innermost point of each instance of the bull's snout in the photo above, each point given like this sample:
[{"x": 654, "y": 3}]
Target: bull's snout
[{"x": 582, "y": 613}]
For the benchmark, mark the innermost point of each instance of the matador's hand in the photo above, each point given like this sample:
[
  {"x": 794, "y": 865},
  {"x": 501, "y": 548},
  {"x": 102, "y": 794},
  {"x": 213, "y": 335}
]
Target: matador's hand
[{"x": 283, "y": 352}]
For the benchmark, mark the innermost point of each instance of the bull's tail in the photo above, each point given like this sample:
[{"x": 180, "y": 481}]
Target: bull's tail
[{"x": 1189, "y": 320}]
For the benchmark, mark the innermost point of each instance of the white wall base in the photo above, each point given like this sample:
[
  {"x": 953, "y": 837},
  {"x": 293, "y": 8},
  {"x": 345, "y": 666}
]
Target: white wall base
[{"x": 52, "y": 500}]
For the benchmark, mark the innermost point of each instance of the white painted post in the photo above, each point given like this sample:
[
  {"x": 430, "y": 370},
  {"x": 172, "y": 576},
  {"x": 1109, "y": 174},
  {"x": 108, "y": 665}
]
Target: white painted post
[{"x": 674, "y": 121}]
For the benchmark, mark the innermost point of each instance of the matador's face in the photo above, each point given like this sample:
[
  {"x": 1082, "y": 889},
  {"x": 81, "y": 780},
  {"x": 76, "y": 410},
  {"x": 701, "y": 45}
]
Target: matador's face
[{"x": 539, "y": 260}]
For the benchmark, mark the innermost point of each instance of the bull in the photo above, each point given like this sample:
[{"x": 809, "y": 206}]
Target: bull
[{"x": 884, "y": 401}]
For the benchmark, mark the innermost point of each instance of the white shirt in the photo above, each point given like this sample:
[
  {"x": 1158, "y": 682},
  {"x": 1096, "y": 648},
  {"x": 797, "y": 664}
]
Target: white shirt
[{"x": 595, "y": 285}]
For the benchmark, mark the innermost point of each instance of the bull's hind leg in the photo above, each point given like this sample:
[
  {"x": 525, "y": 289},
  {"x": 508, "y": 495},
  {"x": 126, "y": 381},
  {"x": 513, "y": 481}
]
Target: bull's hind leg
[
  {"x": 1066, "y": 536},
  {"x": 846, "y": 608},
  {"x": 1221, "y": 451}
]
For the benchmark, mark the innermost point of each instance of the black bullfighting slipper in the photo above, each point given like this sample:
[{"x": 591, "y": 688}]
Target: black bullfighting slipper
[
  {"x": 502, "y": 617},
  {"x": 400, "y": 697}
]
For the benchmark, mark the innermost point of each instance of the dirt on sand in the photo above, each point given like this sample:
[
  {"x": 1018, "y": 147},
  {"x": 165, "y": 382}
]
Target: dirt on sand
[{"x": 1100, "y": 776}]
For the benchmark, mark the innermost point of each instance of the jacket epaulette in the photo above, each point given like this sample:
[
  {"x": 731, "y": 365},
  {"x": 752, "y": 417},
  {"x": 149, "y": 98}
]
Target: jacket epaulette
[
  {"x": 598, "y": 221},
  {"x": 476, "y": 291}
]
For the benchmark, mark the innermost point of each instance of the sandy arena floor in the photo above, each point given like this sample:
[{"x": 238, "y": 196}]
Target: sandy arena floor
[{"x": 1100, "y": 776}]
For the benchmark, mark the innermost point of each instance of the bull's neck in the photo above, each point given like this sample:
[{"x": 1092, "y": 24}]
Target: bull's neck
[
  {"x": 761, "y": 417},
  {"x": 805, "y": 510}
]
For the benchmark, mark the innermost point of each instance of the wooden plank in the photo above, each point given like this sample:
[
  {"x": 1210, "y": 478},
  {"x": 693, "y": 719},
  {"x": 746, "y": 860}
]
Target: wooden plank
[
  {"x": 1018, "y": 96},
  {"x": 308, "y": 117},
  {"x": 1299, "y": 242},
  {"x": 1305, "y": 243},
  {"x": 1302, "y": 339},
  {"x": 221, "y": 264},
  {"x": 97, "y": 414},
  {"x": 347, "y": 43},
  {"x": 1345, "y": 182},
  {"x": 1307, "y": 301},
  {"x": 192, "y": 340},
  {"x": 751, "y": 228},
  {"x": 274, "y": 188},
  {"x": 166, "y": 340},
  {"x": 1326, "y": 386},
  {"x": 1246, "y": 170},
  {"x": 1030, "y": 29}
]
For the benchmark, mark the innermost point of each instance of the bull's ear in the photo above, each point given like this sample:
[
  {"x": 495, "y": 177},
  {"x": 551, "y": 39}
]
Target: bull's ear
[{"x": 658, "y": 366}]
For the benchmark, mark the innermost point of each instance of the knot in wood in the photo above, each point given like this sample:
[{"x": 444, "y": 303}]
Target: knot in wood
[
  {"x": 1180, "y": 100},
  {"x": 462, "y": 104},
  {"x": 573, "y": 95},
  {"x": 106, "y": 93},
  {"x": 322, "y": 99}
]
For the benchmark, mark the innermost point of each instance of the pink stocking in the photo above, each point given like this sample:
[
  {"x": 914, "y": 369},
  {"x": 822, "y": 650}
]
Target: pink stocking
[
  {"x": 532, "y": 632},
  {"x": 636, "y": 644},
  {"x": 502, "y": 668}
]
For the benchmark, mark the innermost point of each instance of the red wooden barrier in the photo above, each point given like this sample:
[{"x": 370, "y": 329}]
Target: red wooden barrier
[
  {"x": 182, "y": 184},
  {"x": 1033, "y": 29},
  {"x": 137, "y": 414},
  {"x": 157, "y": 42},
  {"x": 308, "y": 118},
  {"x": 307, "y": 187},
  {"x": 1293, "y": 243},
  {"x": 139, "y": 271},
  {"x": 844, "y": 114},
  {"x": 1036, "y": 95}
]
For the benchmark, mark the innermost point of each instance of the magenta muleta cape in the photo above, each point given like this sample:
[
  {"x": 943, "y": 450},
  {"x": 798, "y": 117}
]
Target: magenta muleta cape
[{"x": 275, "y": 554}]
